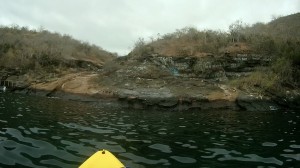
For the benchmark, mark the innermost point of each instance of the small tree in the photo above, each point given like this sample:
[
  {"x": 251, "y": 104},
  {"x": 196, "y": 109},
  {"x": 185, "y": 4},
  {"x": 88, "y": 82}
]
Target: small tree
[
  {"x": 139, "y": 43},
  {"x": 141, "y": 48},
  {"x": 235, "y": 30}
]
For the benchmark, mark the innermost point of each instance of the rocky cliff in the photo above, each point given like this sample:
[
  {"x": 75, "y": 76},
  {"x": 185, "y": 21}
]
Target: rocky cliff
[
  {"x": 217, "y": 68},
  {"x": 156, "y": 81},
  {"x": 164, "y": 82}
]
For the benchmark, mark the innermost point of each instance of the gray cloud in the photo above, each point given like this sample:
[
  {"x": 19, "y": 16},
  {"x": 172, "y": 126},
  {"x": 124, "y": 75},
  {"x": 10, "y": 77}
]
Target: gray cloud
[{"x": 116, "y": 24}]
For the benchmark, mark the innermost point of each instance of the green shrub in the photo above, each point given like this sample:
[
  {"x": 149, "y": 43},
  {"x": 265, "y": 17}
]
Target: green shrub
[{"x": 262, "y": 80}]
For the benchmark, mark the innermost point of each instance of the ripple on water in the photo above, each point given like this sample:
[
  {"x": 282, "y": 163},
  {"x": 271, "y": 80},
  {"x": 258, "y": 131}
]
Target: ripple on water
[
  {"x": 218, "y": 144},
  {"x": 224, "y": 155},
  {"x": 37, "y": 130},
  {"x": 189, "y": 146},
  {"x": 119, "y": 137},
  {"x": 295, "y": 146},
  {"x": 27, "y": 132},
  {"x": 78, "y": 148},
  {"x": 269, "y": 144},
  {"x": 179, "y": 143},
  {"x": 103, "y": 145},
  {"x": 140, "y": 159},
  {"x": 218, "y": 151},
  {"x": 118, "y": 133},
  {"x": 292, "y": 156},
  {"x": 162, "y": 133},
  {"x": 183, "y": 159},
  {"x": 131, "y": 133},
  {"x": 253, "y": 158},
  {"x": 73, "y": 134},
  {"x": 3, "y": 121},
  {"x": 55, "y": 163},
  {"x": 56, "y": 137},
  {"x": 100, "y": 130},
  {"x": 161, "y": 147},
  {"x": 18, "y": 152},
  {"x": 288, "y": 150}
]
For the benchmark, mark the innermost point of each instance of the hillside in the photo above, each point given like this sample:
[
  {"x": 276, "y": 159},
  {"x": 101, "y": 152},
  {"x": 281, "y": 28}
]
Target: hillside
[
  {"x": 241, "y": 37},
  {"x": 25, "y": 50},
  {"x": 287, "y": 27},
  {"x": 278, "y": 41},
  {"x": 29, "y": 57},
  {"x": 255, "y": 67},
  {"x": 252, "y": 66}
]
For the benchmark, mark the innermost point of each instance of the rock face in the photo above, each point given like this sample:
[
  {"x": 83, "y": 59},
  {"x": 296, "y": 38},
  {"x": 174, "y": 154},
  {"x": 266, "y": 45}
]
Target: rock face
[
  {"x": 163, "y": 82},
  {"x": 180, "y": 83},
  {"x": 217, "y": 68},
  {"x": 256, "y": 103}
]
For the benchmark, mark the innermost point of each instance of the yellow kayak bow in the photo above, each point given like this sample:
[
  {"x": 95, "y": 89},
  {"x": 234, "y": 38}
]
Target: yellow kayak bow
[{"x": 102, "y": 159}]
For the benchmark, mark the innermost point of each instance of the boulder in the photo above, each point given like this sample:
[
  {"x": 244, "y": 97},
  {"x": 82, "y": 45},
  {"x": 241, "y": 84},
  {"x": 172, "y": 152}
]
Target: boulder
[{"x": 250, "y": 102}]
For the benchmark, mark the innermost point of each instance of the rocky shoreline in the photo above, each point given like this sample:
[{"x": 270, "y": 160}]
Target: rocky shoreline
[
  {"x": 158, "y": 99},
  {"x": 243, "y": 102},
  {"x": 158, "y": 82}
]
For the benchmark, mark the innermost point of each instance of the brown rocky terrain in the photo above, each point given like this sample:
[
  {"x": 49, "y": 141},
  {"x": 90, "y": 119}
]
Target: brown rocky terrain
[
  {"x": 164, "y": 82},
  {"x": 250, "y": 68}
]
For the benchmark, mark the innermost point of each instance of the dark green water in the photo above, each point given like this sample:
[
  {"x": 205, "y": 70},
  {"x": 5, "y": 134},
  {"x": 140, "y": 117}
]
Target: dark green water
[{"x": 42, "y": 132}]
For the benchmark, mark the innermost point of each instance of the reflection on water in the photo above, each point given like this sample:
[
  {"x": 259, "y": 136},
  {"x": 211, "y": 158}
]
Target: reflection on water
[{"x": 41, "y": 132}]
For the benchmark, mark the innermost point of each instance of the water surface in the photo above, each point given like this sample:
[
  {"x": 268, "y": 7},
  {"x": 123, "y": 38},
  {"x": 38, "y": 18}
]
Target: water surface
[{"x": 44, "y": 132}]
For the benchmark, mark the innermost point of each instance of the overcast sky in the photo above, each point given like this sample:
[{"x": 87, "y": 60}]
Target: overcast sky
[{"x": 116, "y": 24}]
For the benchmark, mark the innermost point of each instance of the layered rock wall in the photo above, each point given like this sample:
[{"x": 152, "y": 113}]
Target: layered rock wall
[{"x": 218, "y": 68}]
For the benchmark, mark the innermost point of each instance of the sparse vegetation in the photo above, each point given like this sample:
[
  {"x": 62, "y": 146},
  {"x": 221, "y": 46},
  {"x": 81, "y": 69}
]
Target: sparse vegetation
[
  {"x": 279, "y": 40},
  {"x": 40, "y": 50}
]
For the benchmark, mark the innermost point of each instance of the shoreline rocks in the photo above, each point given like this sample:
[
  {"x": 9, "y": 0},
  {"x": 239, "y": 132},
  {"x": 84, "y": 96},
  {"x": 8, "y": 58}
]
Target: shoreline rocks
[
  {"x": 168, "y": 83},
  {"x": 243, "y": 102}
]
